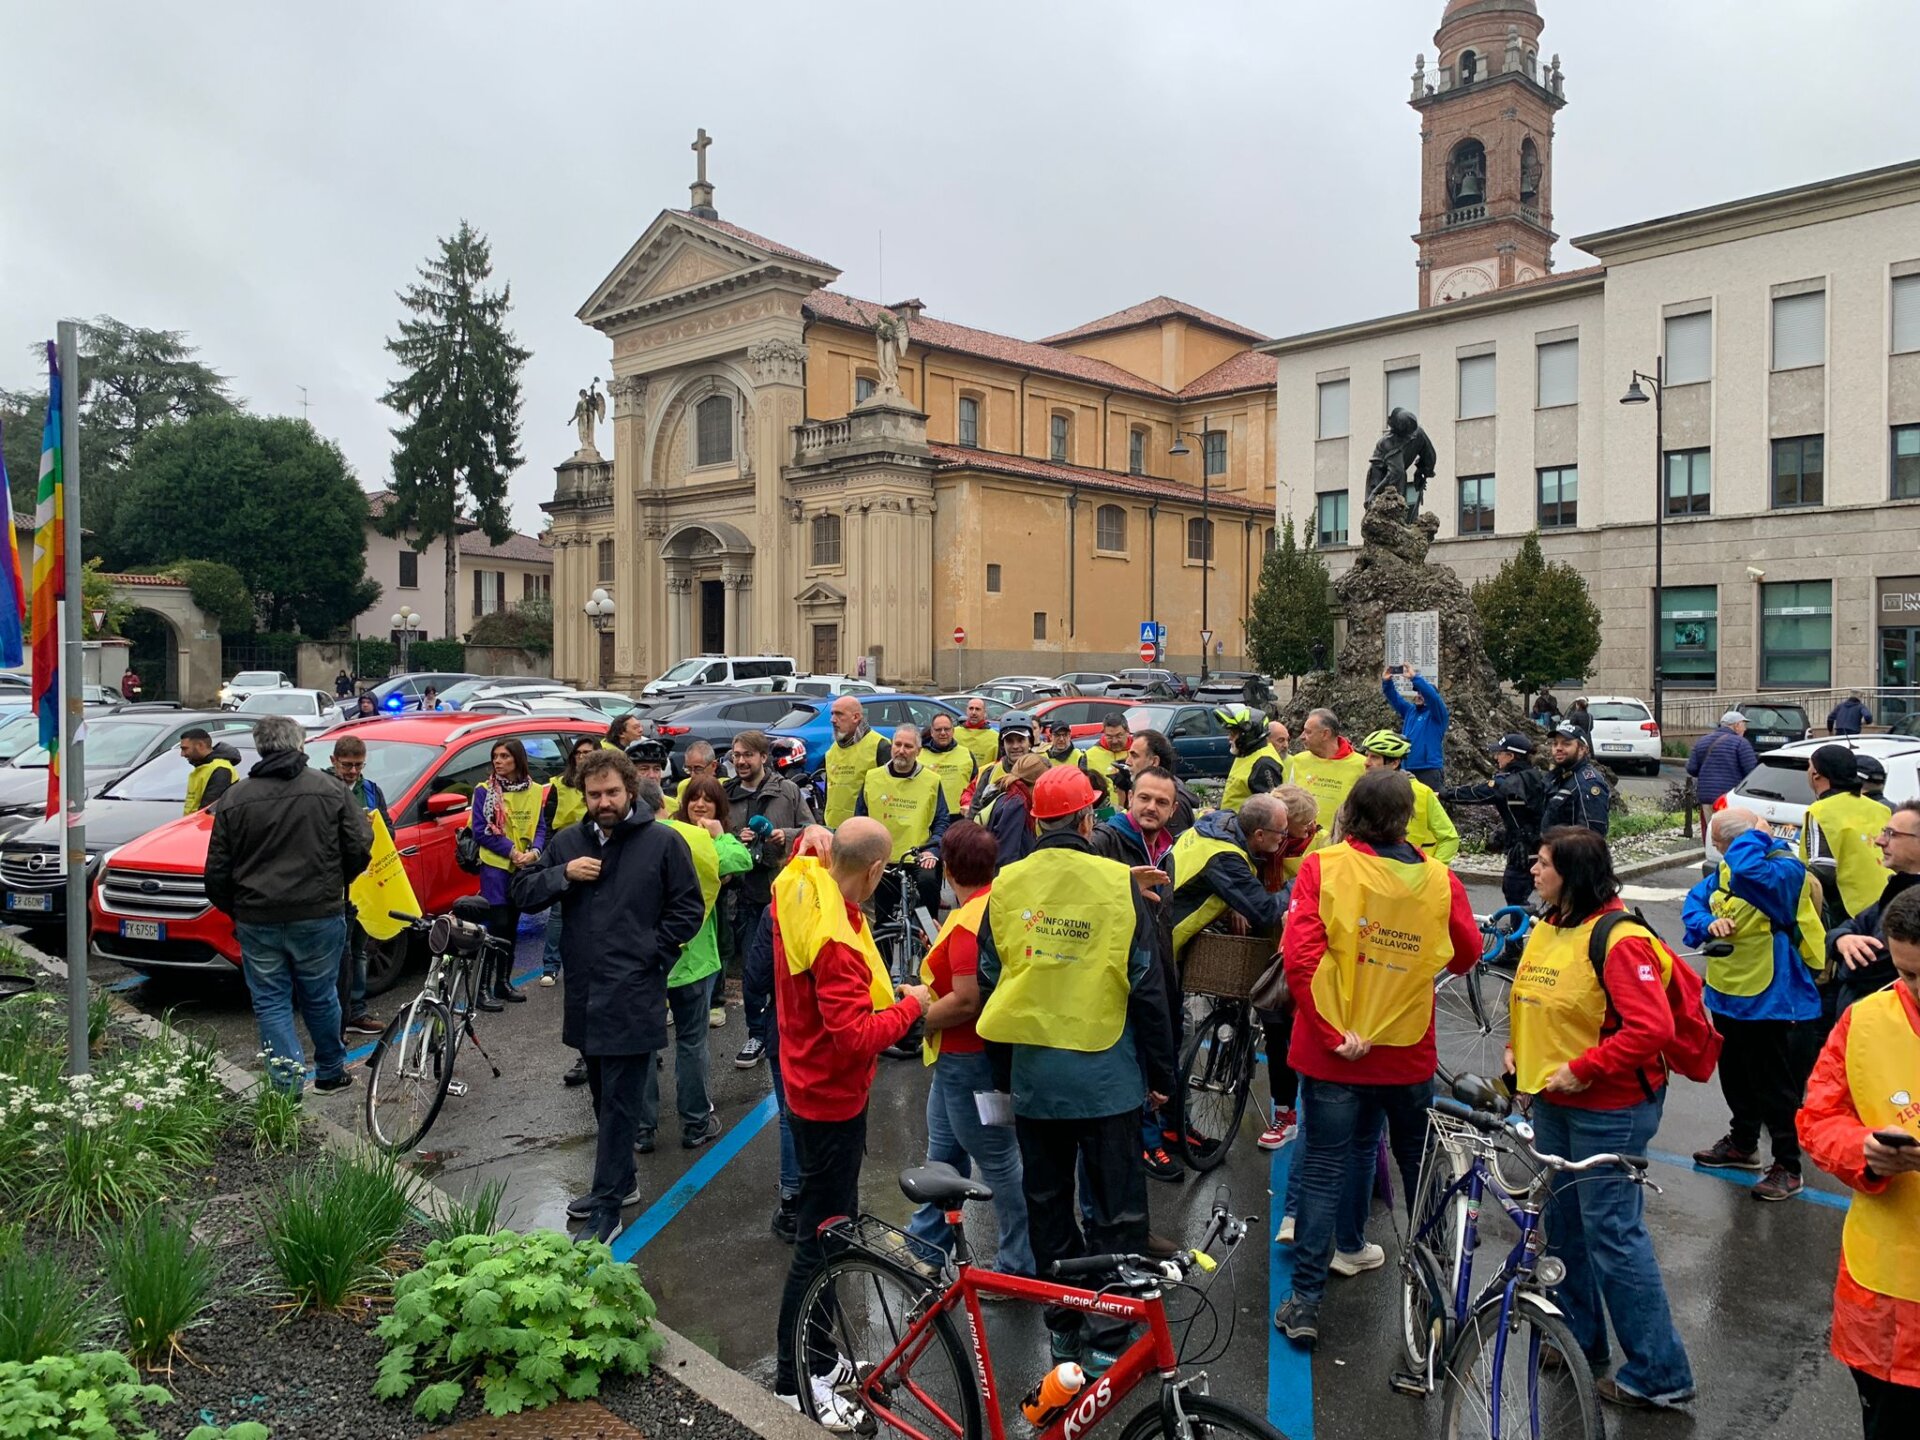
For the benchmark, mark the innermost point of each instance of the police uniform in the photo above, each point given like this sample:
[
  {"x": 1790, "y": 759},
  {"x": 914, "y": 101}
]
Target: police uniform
[
  {"x": 1578, "y": 795},
  {"x": 1519, "y": 796}
]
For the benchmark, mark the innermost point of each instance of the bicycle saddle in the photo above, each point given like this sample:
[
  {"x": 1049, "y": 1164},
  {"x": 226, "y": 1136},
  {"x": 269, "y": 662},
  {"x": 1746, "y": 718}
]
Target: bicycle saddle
[
  {"x": 942, "y": 1185},
  {"x": 473, "y": 908},
  {"x": 1480, "y": 1094}
]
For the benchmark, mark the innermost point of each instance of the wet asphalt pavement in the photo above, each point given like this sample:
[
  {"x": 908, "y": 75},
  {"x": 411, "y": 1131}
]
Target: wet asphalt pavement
[{"x": 1750, "y": 1284}]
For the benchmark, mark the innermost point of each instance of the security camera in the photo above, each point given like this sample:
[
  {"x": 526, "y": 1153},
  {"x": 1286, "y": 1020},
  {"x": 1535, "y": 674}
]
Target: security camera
[{"x": 1754, "y": 572}]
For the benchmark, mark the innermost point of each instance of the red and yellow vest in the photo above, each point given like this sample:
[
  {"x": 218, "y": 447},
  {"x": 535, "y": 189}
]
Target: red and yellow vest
[
  {"x": 811, "y": 912},
  {"x": 967, "y": 918},
  {"x": 1882, "y": 1235},
  {"x": 1559, "y": 1005}
]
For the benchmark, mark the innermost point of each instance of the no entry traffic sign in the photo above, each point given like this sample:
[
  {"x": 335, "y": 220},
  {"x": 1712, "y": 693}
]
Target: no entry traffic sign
[
  {"x": 1146, "y": 652},
  {"x": 959, "y": 635}
]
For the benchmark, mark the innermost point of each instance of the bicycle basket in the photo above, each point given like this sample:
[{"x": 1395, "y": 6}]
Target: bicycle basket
[{"x": 1225, "y": 964}]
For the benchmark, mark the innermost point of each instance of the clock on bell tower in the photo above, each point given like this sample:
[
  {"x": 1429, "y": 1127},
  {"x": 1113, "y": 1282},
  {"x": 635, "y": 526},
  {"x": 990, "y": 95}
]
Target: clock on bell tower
[{"x": 1486, "y": 138}]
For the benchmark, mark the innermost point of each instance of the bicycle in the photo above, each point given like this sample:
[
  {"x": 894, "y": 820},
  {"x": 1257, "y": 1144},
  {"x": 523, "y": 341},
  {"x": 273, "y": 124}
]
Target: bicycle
[
  {"x": 1217, "y": 1065},
  {"x": 1472, "y": 1012},
  {"x": 876, "y": 1296},
  {"x": 903, "y": 932},
  {"x": 1508, "y": 1362},
  {"x": 410, "y": 1073}
]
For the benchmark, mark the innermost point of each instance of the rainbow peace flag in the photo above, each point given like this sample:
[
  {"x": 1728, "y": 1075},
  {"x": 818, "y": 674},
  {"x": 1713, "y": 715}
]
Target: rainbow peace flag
[
  {"x": 13, "y": 594},
  {"x": 50, "y": 577}
]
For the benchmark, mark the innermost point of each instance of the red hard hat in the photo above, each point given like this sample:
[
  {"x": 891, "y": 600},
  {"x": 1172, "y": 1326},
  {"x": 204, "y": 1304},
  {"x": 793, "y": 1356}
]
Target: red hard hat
[{"x": 1064, "y": 790}]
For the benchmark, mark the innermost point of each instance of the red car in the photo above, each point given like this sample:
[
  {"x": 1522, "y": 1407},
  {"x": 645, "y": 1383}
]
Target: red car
[
  {"x": 150, "y": 910},
  {"x": 1083, "y": 712}
]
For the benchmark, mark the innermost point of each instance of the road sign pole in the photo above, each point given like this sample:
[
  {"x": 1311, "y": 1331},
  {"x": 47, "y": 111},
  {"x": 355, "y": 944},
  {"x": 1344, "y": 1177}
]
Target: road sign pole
[{"x": 73, "y": 729}]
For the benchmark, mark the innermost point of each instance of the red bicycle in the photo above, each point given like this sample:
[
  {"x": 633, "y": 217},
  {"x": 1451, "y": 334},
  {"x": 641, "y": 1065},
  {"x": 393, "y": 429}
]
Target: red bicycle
[{"x": 880, "y": 1326}]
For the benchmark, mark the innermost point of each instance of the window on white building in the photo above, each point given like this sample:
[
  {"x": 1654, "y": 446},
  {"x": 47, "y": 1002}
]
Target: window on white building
[
  {"x": 1476, "y": 387},
  {"x": 1800, "y": 330},
  {"x": 1403, "y": 389},
  {"x": 1333, "y": 409},
  {"x": 1559, "y": 373},
  {"x": 1689, "y": 353}
]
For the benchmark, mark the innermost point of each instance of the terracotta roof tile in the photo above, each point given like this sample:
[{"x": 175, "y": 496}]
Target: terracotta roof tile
[
  {"x": 1249, "y": 370},
  {"x": 965, "y": 340},
  {"x": 1158, "y": 308},
  {"x": 956, "y": 457},
  {"x": 525, "y": 549},
  {"x": 149, "y": 582},
  {"x": 774, "y": 246}
]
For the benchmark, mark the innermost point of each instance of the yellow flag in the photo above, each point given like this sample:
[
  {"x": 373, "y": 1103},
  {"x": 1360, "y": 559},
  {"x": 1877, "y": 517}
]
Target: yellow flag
[{"x": 382, "y": 887}]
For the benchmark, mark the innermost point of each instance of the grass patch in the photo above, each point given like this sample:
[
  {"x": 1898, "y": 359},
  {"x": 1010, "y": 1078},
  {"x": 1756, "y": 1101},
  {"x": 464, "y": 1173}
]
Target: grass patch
[
  {"x": 44, "y": 1310},
  {"x": 328, "y": 1228},
  {"x": 1644, "y": 822},
  {"x": 274, "y": 1119},
  {"x": 478, "y": 1216},
  {"x": 160, "y": 1279}
]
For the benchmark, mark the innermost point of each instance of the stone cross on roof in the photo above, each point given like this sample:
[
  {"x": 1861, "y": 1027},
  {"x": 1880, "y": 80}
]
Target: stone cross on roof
[{"x": 702, "y": 189}]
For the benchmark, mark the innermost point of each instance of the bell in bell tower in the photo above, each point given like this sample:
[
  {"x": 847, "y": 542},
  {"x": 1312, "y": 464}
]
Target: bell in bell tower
[{"x": 1486, "y": 136}]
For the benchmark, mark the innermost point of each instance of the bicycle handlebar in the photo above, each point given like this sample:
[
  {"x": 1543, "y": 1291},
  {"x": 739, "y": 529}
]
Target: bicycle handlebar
[
  {"x": 1518, "y": 1129},
  {"x": 1139, "y": 1268}
]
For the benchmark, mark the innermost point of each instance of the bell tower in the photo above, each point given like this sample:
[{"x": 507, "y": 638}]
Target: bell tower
[{"x": 1486, "y": 151}]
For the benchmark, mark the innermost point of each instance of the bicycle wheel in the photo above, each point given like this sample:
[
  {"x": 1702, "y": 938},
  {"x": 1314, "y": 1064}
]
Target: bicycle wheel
[
  {"x": 1210, "y": 1094},
  {"x": 856, "y": 1311},
  {"x": 1207, "y": 1418},
  {"x": 408, "y": 1074},
  {"x": 1471, "y": 1022},
  {"x": 1541, "y": 1398},
  {"x": 1423, "y": 1308}
]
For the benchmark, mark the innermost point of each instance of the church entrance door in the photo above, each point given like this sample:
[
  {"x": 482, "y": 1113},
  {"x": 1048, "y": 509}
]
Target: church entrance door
[{"x": 713, "y": 618}]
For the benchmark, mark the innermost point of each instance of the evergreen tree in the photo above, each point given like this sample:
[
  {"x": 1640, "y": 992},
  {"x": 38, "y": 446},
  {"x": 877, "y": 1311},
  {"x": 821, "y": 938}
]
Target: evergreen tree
[
  {"x": 1292, "y": 608},
  {"x": 1539, "y": 622},
  {"x": 460, "y": 394}
]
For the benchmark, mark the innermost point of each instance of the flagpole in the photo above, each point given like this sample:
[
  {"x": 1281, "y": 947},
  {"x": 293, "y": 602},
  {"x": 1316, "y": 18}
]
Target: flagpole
[{"x": 73, "y": 730}]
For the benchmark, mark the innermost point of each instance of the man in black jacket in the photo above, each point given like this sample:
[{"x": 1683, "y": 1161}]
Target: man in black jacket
[
  {"x": 1857, "y": 947},
  {"x": 286, "y": 843},
  {"x": 1519, "y": 793},
  {"x": 629, "y": 900}
]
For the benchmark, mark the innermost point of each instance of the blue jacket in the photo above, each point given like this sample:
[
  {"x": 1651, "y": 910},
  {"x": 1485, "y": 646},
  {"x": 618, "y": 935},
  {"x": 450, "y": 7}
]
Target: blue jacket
[
  {"x": 1423, "y": 726},
  {"x": 1768, "y": 876},
  {"x": 1720, "y": 760},
  {"x": 1848, "y": 716}
]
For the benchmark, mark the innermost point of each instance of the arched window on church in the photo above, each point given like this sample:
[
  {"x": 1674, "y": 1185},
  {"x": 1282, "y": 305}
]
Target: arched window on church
[
  {"x": 1110, "y": 528},
  {"x": 863, "y": 388},
  {"x": 1199, "y": 540},
  {"x": 826, "y": 540},
  {"x": 713, "y": 430},
  {"x": 1469, "y": 67},
  {"x": 1467, "y": 175},
  {"x": 1529, "y": 171}
]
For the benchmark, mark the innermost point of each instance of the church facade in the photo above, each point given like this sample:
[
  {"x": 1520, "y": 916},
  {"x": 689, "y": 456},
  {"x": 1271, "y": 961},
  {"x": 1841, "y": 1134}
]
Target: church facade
[{"x": 796, "y": 471}]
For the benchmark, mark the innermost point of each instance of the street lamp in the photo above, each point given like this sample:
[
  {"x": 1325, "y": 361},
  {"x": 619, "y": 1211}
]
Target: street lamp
[
  {"x": 407, "y": 623},
  {"x": 1206, "y": 528},
  {"x": 1636, "y": 396},
  {"x": 599, "y": 612}
]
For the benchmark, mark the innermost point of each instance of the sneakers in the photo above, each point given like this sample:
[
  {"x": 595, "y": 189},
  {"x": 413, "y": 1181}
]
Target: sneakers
[
  {"x": 643, "y": 1144},
  {"x": 1286, "y": 1125},
  {"x": 717, "y": 1018},
  {"x": 750, "y": 1054},
  {"x": 1354, "y": 1262},
  {"x": 705, "y": 1135},
  {"x": 1162, "y": 1166},
  {"x": 547, "y": 982},
  {"x": 1614, "y": 1393},
  {"x": 577, "y": 1075},
  {"x": 581, "y": 1206},
  {"x": 1284, "y": 1235},
  {"x": 831, "y": 1409},
  {"x": 1298, "y": 1321},
  {"x": 342, "y": 1081},
  {"x": 365, "y": 1023},
  {"x": 1098, "y": 1362},
  {"x": 1779, "y": 1183},
  {"x": 1721, "y": 1155},
  {"x": 1062, "y": 1348},
  {"x": 786, "y": 1220}
]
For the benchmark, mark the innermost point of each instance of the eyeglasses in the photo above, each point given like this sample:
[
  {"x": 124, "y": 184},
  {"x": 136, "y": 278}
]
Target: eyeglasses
[{"x": 1892, "y": 834}]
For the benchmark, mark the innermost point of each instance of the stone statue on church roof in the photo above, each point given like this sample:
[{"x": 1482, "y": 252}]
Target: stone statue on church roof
[
  {"x": 591, "y": 406},
  {"x": 890, "y": 342}
]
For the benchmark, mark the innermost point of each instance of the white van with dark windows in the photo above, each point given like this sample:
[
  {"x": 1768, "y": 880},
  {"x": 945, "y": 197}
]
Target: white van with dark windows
[{"x": 723, "y": 670}]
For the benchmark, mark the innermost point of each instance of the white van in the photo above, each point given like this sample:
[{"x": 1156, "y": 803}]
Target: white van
[{"x": 721, "y": 670}]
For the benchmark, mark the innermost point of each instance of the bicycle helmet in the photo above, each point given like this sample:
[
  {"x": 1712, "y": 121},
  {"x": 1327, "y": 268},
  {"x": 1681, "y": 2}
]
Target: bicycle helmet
[
  {"x": 649, "y": 750},
  {"x": 1243, "y": 725},
  {"x": 1387, "y": 744},
  {"x": 1017, "y": 720}
]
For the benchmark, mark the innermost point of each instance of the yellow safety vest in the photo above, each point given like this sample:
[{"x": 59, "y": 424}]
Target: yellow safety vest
[
  {"x": 811, "y": 912},
  {"x": 1558, "y": 1004},
  {"x": 197, "y": 781},
  {"x": 1749, "y": 969},
  {"x": 1849, "y": 823},
  {"x": 983, "y": 744},
  {"x": 966, "y": 918},
  {"x": 955, "y": 766},
  {"x": 569, "y": 806},
  {"x": 1328, "y": 781},
  {"x": 1072, "y": 757},
  {"x": 1881, "y": 1239},
  {"x": 523, "y": 809},
  {"x": 706, "y": 862},
  {"x": 903, "y": 803},
  {"x": 1237, "y": 792},
  {"x": 1192, "y": 853},
  {"x": 1431, "y": 828},
  {"x": 1387, "y": 937},
  {"x": 847, "y": 767},
  {"x": 1062, "y": 922}
]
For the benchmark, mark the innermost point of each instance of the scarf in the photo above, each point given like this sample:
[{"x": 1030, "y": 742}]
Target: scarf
[{"x": 496, "y": 812}]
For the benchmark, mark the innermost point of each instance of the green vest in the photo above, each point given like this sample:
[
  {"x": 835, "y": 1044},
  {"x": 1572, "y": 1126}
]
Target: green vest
[
  {"x": 197, "y": 781},
  {"x": 903, "y": 803},
  {"x": 1062, "y": 922},
  {"x": 712, "y": 860},
  {"x": 1749, "y": 969},
  {"x": 1192, "y": 853},
  {"x": 1328, "y": 781},
  {"x": 983, "y": 744},
  {"x": 1849, "y": 824},
  {"x": 569, "y": 806},
  {"x": 1237, "y": 791}
]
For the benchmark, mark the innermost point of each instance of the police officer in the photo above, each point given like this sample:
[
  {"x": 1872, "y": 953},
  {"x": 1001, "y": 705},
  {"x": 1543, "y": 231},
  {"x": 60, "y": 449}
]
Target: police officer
[
  {"x": 1519, "y": 793},
  {"x": 1257, "y": 767},
  {"x": 1577, "y": 793}
]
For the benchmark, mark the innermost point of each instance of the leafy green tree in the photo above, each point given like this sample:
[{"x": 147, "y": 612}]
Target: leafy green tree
[
  {"x": 526, "y": 625},
  {"x": 460, "y": 396},
  {"x": 218, "y": 589},
  {"x": 266, "y": 496},
  {"x": 22, "y": 413},
  {"x": 1292, "y": 609},
  {"x": 1539, "y": 623}
]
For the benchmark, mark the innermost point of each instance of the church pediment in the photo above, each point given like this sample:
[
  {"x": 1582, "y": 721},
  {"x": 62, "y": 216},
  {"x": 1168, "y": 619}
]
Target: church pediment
[
  {"x": 820, "y": 593},
  {"x": 682, "y": 259}
]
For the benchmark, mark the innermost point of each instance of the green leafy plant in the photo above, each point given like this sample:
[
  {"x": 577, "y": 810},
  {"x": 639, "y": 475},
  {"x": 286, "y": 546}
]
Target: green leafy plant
[
  {"x": 97, "y": 1395},
  {"x": 44, "y": 1309},
  {"x": 1293, "y": 608},
  {"x": 274, "y": 1117},
  {"x": 529, "y": 1318},
  {"x": 240, "y": 1430},
  {"x": 437, "y": 655},
  {"x": 327, "y": 1228},
  {"x": 1540, "y": 624},
  {"x": 160, "y": 1279},
  {"x": 478, "y": 1216}
]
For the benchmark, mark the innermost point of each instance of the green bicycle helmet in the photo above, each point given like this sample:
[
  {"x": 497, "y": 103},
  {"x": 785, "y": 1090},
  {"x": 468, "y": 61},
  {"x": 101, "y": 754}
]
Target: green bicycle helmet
[{"x": 1387, "y": 744}]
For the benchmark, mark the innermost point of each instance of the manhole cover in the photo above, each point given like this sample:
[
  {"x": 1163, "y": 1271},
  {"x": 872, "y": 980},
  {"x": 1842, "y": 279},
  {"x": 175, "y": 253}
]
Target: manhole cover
[{"x": 569, "y": 1420}]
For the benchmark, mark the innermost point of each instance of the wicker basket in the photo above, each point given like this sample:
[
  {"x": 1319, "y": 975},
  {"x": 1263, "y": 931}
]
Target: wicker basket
[{"x": 1225, "y": 964}]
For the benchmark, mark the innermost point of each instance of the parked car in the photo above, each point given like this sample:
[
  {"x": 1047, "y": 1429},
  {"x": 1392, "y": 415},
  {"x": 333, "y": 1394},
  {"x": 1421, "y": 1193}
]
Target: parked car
[
  {"x": 458, "y": 697},
  {"x": 315, "y": 710},
  {"x": 1199, "y": 739},
  {"x": 722, "y": 670},
  {"x": 1084, "y": 713},
  {"x": 33, "y": 891},
  {"x": 608, "y": 702},
  {"x": 115, "y": 744},
  {"x": 1771, "y": 724},
  {"x": 995, "y": 708},
  {"x": 1085, "y": 682},
  {"x": 1021, "y": 692},
  {"x": 1777, "y": 788},
  {"x": 829, "y": 685},
  {"x": 19, "y": 731},
  {"x": 717, "y": 721},
  {"x": 402, "y": 692},
  {"x": 248, "y": 681},
  {"x": 808, "y": 720},
  {"x": 1149, "y": 684},
  {"x": 150, "y": 910},
  {"x": 1227, "y": 684},
  {"x": 1624, "y": 733}
]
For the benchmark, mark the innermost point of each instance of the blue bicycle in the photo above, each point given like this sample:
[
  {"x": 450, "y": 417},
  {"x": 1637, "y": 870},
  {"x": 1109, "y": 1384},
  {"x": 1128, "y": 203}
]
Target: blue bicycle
[{"x": 1504, "y": 1354}]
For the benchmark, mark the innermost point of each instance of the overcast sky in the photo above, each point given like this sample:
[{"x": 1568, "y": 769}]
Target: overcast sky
[{"x": 266, "y": 176}]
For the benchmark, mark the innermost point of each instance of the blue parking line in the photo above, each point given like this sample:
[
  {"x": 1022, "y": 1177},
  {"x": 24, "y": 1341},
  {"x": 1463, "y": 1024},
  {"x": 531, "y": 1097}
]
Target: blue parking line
[
  {"x": 1289, "y": 1367},
  {"x": 1744, "y": 1177},
  {"x": 651, "y": 1221}
]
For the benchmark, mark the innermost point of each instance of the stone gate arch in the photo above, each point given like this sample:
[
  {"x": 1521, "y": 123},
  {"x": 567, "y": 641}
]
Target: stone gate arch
[{"x": 193, "y": 636}]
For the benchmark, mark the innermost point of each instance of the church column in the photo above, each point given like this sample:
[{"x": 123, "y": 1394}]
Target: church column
[
  {"x": 679, "y": 620},
  {"x": 631, "y": 568},
  {"x": 778, "y": 366},
  {"x": 737, "y": 587}
]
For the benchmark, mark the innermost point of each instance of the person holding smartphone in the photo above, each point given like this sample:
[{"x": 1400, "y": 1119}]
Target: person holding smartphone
[{"x": 1861, "y": 1124}]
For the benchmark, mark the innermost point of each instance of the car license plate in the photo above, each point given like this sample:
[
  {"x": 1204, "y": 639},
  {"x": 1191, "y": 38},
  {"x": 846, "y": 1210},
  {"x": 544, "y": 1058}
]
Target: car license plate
[
  {"x": 143, "y": 930},
  {"x": 1608, "y": 745},
  {"x": 1787, "y": 834},
  {"x": 16, "y": 900}
]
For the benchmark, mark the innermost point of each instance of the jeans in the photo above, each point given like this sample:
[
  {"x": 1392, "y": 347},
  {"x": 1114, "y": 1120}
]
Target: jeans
[
  {"x": 789, "y": 1161},
  {"x": 1340, "y": 1138},
  {"x": 956, "y": 1137},
  {"x": 296, "y": 962},
  {"x": 550, "y": 954},
  {"x": 352, "y": 985},
  {"x": 1762, "y": 1084},
  {"x": 1115, "y": 1177},
  {"x": 753, "y": 941},
  {"x": 1595, "y": 1225},
  {"x": 1281, "y": 1080},
  {"x": 830, "y": 1152},
  {"x": 688, "y": 1005},
  {"x": 1433, "y": 779},
  {"x": 614, "y": 1082}
]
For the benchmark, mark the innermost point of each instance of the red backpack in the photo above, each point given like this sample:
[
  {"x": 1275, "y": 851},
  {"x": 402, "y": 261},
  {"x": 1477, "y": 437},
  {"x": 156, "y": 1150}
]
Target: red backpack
[{"x": 1696, "y": 1043}]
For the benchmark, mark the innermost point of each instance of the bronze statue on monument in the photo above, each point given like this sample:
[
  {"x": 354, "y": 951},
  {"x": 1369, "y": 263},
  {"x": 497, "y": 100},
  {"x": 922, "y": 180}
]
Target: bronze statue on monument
[{"x": 1403, "y": 459}]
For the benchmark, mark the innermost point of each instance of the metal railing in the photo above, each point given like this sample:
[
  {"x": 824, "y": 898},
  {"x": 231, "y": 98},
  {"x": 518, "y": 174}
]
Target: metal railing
[{"x": 1695, "y": 712}]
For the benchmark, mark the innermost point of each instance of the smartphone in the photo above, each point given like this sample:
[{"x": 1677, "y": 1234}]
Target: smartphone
[{"x": 1896, "y": 1139}]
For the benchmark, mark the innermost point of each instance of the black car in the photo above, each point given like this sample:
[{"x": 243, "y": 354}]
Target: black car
[
  {"x": 115, "y": 744},
  {"x": 716, "y": 719},
  {"x": 1771, "y": 724},
  {"x": 33, "y": 891}
]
